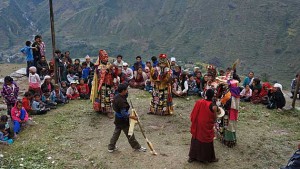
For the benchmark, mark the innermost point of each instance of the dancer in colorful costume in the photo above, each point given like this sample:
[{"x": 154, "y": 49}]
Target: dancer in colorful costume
[
  {"x": 102, "y": 92},
  {"x": 160, "y": 76}
]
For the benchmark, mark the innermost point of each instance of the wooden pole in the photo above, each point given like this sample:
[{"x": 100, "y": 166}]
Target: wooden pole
[
  {"x": 53, "y": 40},
  {"x": 296, "y": 91}
]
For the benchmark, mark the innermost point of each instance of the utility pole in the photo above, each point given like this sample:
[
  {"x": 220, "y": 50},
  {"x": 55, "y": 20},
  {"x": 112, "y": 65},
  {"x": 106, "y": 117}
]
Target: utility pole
[
  {"x": 53, "y": 40},
  {"x": 296, "y": 91}
]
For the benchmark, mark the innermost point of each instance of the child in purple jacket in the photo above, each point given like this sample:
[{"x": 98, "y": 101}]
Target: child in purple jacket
[{"x": 9, "y": 93}]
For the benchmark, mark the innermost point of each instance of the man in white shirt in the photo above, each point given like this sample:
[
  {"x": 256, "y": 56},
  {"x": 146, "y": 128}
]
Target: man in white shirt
[
  {"x": 119, "y": 62},
  {"x": 128, "y": 72}
]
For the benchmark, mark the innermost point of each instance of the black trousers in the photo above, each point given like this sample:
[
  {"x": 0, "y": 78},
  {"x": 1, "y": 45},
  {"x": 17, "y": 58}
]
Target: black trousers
[{"x": 131, "y": 139}]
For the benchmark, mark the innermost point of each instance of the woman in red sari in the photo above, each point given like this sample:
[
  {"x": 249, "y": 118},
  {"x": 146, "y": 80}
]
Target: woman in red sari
[{"x": 203, "y": 118}]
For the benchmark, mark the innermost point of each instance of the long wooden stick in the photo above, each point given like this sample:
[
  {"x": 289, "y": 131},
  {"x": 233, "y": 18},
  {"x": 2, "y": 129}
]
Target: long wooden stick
[{"x": 152, "y": 151}]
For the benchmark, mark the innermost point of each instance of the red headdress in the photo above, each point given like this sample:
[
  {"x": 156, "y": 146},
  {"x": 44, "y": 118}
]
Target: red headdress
[{"x": 103, "y": 55}]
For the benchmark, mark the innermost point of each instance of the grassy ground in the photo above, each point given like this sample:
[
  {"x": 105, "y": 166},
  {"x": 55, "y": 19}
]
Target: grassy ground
[{"x": 73, "y": 136}]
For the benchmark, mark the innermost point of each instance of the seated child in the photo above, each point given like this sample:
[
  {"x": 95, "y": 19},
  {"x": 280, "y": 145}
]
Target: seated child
[
  {"x": 47, "y": 100},
  {"x": 19, "y": 117},
  {"x": 64, "y": 88},
  {"x": 83, "y": 89},
  {"x": 192, "y": 86},
  {"x": 3, "y": 136},
  {"x": 246, "y": 94},
  {"x": 72, "y": 92},
  {"x": 26, "y": 101},
  {"x": 57, "y": 96},
  {"x": 38, "y": 107},
  {"x": 71, "y": 76},
  {"x": 4, "y": 120}
]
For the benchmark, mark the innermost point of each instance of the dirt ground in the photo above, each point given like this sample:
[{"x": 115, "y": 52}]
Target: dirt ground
[{"x": 74, "y": 136}]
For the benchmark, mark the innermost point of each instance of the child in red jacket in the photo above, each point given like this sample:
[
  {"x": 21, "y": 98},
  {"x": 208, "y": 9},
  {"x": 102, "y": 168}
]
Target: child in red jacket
[
  {"x": 83, "y": 89},
  {"x": 26, "y": 101}
]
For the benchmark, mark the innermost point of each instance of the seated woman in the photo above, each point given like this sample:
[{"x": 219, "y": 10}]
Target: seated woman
[
  {"x": 192, "y": 86},
  {"x": 19, "y": 117},
  {"x": 256, "y": 88},
  {"x": 276, "y": 97},
  {"x": 180, "y": 86},
  {"x": 246, "y": 94},
  {"x": 47, "y": 85},
  {"x": 138, "y": 80}
]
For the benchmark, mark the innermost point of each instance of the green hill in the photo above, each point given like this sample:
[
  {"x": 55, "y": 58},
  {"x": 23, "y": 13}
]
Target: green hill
[{"x": 262, "y": 33}]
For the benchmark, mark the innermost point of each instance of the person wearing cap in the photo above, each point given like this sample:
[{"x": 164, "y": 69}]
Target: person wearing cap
[
  {"x": 276, "y": 97},
  {"x": 88, "y": 62},
  {"x": 119, "y": 62},
  {"x": 34, "y": 81},
  {"x": 72, "y": 92},
  {"x": 47, "y": 85},
  {"x": 203, "y": 117},
  {"x": 160, "y": 76},
  {"x": 128, "y": 72},
  {"x": 173, "y": 63}
]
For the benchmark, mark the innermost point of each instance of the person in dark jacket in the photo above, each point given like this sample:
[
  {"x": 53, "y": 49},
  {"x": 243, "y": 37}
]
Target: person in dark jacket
[
  {"x": 122, "y": 115},
  {"x": 294, "y": 162},
  {"x": 276, "y": 97},
  {"x": 42, "y": 67},
  {"x": 47, "y": 85}
]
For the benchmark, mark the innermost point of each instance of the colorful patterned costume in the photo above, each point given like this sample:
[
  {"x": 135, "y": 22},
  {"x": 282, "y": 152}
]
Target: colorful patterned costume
[
  {"x": 160, "y": 76},
  {"x": 103, "y": 87},
  {"x": 226, "y": 126}
]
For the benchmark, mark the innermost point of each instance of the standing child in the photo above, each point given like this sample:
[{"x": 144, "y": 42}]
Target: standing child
[
  {"x": 72, "y": 92},
  {"x": 85, "y": 71},
  {"x": 34, "y": 81},
  {"x": 9, "y": 93},
  {"x": 27, "y": 51},
  {"x": 19, "y": 117},
  {"x": 83, "y": 89},
  {"x": 38, "y": 106}
]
